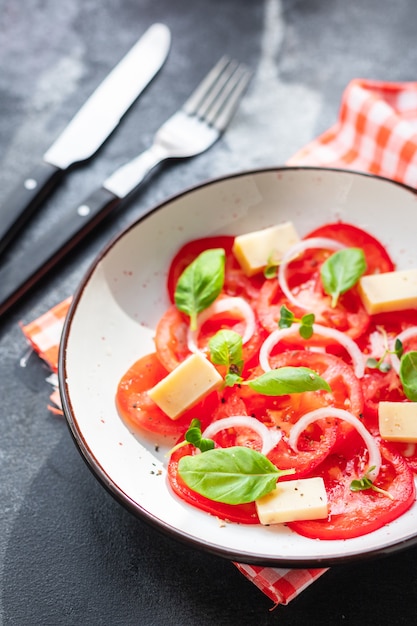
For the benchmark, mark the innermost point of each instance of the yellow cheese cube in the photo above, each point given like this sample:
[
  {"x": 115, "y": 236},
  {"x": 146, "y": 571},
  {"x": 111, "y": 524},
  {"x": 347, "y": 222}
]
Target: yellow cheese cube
[
  {"x": 255, "y": 250},
  {"x": 390, "y": 291},
  {"x": 185, "y": 385},
  {"x": 398, "y": 421},
  {"x": 301, "y": 499}
]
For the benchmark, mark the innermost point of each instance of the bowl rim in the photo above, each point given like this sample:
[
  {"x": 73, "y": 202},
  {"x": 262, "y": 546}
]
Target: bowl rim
[{"x": 106, "y": 481}]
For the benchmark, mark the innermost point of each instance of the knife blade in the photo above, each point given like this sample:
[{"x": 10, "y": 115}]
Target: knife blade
[{"x": 88, "y": 130}]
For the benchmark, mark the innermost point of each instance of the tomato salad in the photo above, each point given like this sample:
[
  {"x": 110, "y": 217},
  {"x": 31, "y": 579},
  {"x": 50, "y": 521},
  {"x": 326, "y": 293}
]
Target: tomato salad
[{"x": 304, "y": 367}]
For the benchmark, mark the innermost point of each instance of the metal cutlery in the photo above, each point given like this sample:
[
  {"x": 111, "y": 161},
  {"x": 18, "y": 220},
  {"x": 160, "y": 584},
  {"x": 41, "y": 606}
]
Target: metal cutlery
[
  {"x": 191, "y": 131},
  {"x": 88, "y": 130}
]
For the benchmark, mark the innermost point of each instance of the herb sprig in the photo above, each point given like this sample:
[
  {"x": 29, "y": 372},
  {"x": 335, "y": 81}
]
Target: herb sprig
[
  {"x": 287, "y": 319},
  {"x": 365, "y": 483}
]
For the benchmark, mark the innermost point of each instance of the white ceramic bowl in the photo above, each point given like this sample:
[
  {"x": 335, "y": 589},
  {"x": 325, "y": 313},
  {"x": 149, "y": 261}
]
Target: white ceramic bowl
[{"x": 112, "y": 319}]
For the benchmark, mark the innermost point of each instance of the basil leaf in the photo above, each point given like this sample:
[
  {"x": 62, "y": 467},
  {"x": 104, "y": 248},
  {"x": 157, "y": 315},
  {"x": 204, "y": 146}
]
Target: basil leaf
[
  {"x": 235, "y": 475},
  {"x": 408, "y": 374},
  {"x": 200, "y": 283},
  {"x": 226, "y": 348},
  {"x": 286, "y": 380},
  {"x": 341, "y": 271}
]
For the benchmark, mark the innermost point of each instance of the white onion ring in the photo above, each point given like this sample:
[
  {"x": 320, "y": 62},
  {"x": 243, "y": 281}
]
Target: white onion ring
[
  {"x": 374, "y": 453},
  {"x": 296, "y": 250},
  {"x": 350, "y": 346},
  {"x": 222, "y": 305},
  {"x": 269, "y": 437},
  {"x": 408, "y": 333}
]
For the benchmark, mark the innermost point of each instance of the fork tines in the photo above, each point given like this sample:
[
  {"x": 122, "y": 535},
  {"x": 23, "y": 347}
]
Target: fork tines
[{"x": 217, "y": 96}]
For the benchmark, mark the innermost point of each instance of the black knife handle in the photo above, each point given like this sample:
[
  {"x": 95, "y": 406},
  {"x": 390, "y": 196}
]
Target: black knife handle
[
  {"x": 25, "y": 199},
  {"x": 23, "y": 271}
]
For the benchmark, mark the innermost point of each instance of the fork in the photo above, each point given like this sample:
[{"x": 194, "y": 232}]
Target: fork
[{"x": 192, "y": 130}]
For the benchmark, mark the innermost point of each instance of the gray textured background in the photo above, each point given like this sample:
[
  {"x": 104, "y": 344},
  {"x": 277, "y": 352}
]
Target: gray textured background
[{"x": 69, "y": 554}]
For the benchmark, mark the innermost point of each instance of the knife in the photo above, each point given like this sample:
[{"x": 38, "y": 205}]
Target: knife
[{"x": 88, "y": 130}]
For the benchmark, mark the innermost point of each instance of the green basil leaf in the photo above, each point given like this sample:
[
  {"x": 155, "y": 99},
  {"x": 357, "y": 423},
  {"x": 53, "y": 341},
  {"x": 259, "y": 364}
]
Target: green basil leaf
[
  {"x": 200, "y": 283},
  {"x": 408, "y": 374},
  {"x": 235, "y": 475},
  {"x": 341, "y": 271},
  {"x": 226, "y": 348},
  {"x": 287, "y": 380}
]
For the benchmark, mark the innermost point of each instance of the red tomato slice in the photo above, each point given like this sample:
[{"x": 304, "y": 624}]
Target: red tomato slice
[
  {"x": 239, "y": 513},
  {"x": 353, "y": 514},
  {"x": 379, "y": 387},
  {"x": 284, "y": 411},
  {"x": 140, "y": 413},
  {"x": 349, "y": 316},
  {"x": 377, "y": 258},
  {"x": 171, "y": 336},
  {"x": 236, "y": 282}
]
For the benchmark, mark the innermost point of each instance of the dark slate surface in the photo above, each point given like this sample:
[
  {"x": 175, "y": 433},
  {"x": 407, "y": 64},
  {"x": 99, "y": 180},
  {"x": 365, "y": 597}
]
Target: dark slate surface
[{"x": 69, "y": 553}]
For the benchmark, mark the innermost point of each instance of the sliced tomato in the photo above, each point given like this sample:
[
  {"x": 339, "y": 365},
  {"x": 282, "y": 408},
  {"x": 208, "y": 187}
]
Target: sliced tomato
[
  {"x": 239, "y": 513},
  {"x": 140, "y": 413},
  {"x": 383, "y": 330},
  {"x": 236, "y": 282},
  {"x": 353, "y": 514},
  {"x": 377, "y": 258},
  {"x": 171, "y": 336},
  {"x": 349, "y": 316},
  {"x": 379, "y": 387},
  {"x": 313, "y": 447},
  {"x": 409, "y": 452},
  {"x": 284, "y": 411}
]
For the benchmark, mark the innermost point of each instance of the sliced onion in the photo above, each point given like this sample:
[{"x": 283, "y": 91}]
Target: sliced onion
[
  {"x": 294, "y": 252},
  {"x": 270, "y": 437},
  {"x": 374, "y": 460},
  {"x": 331, "y": 333},
  {"x": 236, "y": 306},
  {"x": 408, "y": 333}
]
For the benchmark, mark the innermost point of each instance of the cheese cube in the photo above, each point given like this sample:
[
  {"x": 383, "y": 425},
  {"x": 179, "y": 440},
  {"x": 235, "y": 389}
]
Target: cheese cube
[
  {"x": 301, "y": 499},
  {"x": 185, "y": 385},
  {"x": 398, "y": 421},
  {"x": 390, "y": 291},
  {"x": 255, "y": 250}
]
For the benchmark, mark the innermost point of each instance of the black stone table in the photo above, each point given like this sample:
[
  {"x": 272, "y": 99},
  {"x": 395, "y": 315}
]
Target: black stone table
[{"x": 69, "y": 553}]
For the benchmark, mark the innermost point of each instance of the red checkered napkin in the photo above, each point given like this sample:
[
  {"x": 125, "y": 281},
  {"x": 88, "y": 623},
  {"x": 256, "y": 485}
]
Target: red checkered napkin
[{"x": 376, "y": 132}]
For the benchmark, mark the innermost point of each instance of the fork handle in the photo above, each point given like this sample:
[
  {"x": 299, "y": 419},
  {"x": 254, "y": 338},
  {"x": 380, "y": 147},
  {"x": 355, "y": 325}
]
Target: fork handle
[{"x": 125, "y": 179}]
